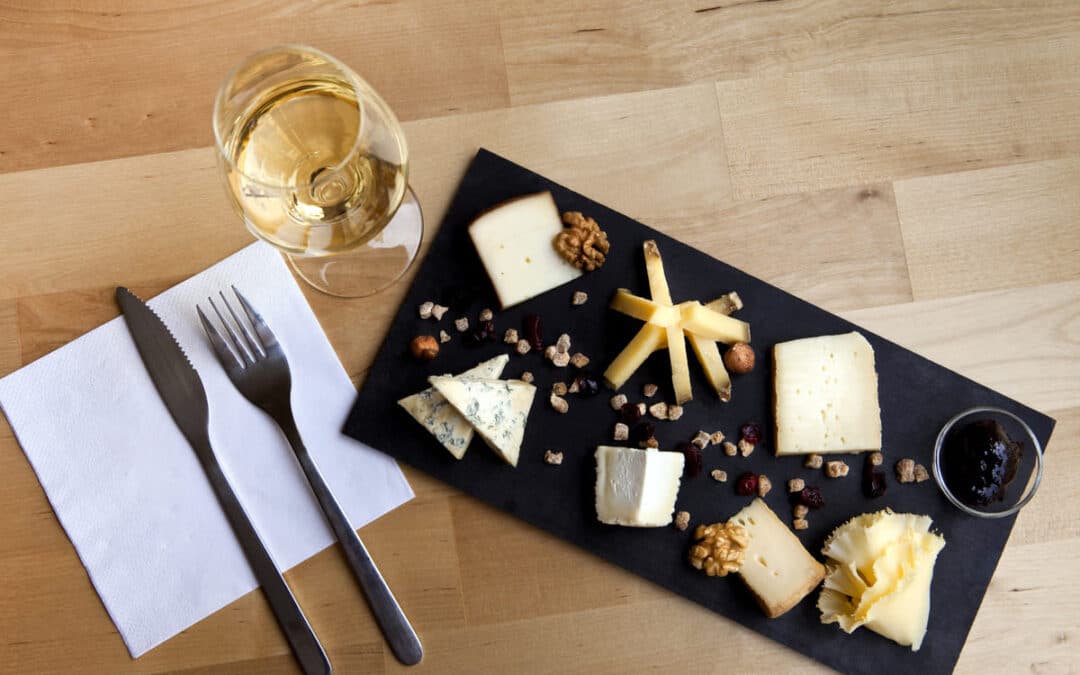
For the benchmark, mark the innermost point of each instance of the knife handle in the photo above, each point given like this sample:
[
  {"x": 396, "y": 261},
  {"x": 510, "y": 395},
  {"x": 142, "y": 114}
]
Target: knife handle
[
  {"x": 395, "y": 625},
  {"x": 305, "y": 646}
]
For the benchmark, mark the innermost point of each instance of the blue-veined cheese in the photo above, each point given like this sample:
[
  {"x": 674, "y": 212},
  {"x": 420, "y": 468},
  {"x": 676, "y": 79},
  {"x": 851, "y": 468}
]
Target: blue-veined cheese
[
  {"x": 497, "y": 409},
  {"x": 636, "y": 487},
  {"x": 434, "y": 412}
]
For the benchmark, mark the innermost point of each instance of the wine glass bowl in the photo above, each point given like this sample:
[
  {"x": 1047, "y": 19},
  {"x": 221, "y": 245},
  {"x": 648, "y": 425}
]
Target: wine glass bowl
[{"x": 316, "y": 164}]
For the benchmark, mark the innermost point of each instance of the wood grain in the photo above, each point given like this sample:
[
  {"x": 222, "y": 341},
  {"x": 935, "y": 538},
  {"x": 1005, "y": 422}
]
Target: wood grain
[
  {"x": 570, "y": 49},
  {"x": 1009, "y": 226},
  {"x": 148, "y": 91},
  {"x": 866, "y": 122},
  {"x": 913, "y": 165}
]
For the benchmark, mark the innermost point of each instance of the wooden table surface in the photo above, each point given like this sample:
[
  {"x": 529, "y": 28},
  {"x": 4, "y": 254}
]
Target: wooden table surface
[{"x": 913, "y": 165}]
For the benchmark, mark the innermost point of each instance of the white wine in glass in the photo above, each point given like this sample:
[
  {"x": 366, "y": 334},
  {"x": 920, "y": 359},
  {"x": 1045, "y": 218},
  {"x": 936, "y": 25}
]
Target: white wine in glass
[{"x": 316, "y": 164}]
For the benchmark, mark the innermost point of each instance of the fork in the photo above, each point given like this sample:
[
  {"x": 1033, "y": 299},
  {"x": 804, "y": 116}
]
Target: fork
[{"x": 256, "y": 365}]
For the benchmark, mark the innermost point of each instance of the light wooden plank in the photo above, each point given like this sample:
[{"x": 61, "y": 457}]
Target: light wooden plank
[
  {"x": 880, "y": 120},
  {"x": 1009, "y": 226},
  {"x": 840, "y": 249},
  {"x": 10, "y": 347},
  {"x": 1021, "y": 342},
  {"x": 151, "y": 88},
  {"x": 549, "y": 576},
  {"x": 1027, "y": 622},
  {"x": 568, "y": 49}
]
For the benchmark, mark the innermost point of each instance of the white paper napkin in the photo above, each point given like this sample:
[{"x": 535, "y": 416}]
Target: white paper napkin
[{"x": 127, "y": 487}]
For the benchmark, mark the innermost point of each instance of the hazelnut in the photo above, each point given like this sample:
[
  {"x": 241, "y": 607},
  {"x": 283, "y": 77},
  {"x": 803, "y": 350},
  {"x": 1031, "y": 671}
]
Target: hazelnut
[
  {"x": 424, "y": 347},
  {"x": 739, "y": 358}
]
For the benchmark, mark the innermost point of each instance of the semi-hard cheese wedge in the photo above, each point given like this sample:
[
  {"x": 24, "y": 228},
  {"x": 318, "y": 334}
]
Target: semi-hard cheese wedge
[
  {"x": 515, "y": 243},
  {"x": 826, "y": 395},
  {"x": 776, "y": 566},
  {"x": 434, "y": 412},
  {"x": 497, "y": 409},
  {"x": 637, "y": 487}
]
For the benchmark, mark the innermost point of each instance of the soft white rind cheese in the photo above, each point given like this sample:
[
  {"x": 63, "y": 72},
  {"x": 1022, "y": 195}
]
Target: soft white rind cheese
[
  {"x": 515, "y": 241},
  {"x": 776, "y": 566},
  {"x": 497, "y": 409},
  {"x": 636, "y": 487},
  {"x": 434, "y": 412},
  {"x": 826, "y": 395}
]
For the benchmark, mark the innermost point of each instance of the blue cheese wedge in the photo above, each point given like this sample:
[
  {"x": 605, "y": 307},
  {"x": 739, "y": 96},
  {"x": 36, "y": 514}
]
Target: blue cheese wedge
[
  {"x": 635, "y": 487},
  {"x": 497, "y": 409},
  {"x": 434, "y": 412},
  {"x": 515, "y": 241}
]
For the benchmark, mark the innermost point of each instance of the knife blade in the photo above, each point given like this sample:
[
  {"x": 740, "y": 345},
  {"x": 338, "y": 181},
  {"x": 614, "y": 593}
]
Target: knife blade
[{"x": 184, "y": 396}]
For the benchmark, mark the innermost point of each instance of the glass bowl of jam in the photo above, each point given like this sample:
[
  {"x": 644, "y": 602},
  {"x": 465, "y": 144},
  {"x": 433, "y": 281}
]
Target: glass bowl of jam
[{"x": 988, "y": 462}]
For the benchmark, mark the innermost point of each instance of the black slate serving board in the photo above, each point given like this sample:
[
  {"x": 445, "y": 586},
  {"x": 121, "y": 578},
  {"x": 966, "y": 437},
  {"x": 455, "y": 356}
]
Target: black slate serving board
[{"x": 916, "y": 395}]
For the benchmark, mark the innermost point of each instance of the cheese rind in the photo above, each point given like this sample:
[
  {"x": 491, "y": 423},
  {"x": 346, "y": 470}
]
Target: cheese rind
[
  {"x": 515, "y": 241},
  {"x": 497, "y": 409},
  {"x": 776, "y": 566},
  {"x": 826, "y": 395},
  {"x": 442, "y": 420},
  {"x": 636, "y": 488}
]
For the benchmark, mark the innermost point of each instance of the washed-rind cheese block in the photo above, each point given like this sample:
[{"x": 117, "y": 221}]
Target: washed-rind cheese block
[
  {"x": 635, "y": 487},
  {"x": 497, "y": 409},
  {"x": 826, "y": 395},
  {"x": 515, "y": 241},
  {"x": 776, "y": 567},
  {"x": 442, "y": 420},
  {"x": 880, "y": 567}
]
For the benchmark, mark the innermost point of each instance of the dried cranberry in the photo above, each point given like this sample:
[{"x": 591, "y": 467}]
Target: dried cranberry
[
  {"x": 751, "y": 431},
  {"x": 487, "y": 331},
  {"x": 811, "y": 498},
  {"x": 587, "y": 384},
  {"x": 630, "y": 413},
  {"x": 873, "y": 480},
  {"x": 692, "y": 453},
  {"x": 531, "y": 324},
  {"x": 746, "y": 485},
  {"x": 642, "y": 432}
]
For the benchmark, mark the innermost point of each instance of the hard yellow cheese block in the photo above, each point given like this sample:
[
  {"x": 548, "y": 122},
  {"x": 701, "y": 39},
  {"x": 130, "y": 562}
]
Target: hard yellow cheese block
[
  {"x": 826, "y": 395},
  {"x": 776, "y": 567},
  {"x": 515, "y": 241}
]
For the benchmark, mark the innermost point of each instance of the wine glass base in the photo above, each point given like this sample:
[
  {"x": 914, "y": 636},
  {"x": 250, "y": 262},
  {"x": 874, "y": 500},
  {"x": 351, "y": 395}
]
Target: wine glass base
[{"x": 373, "y": 266}]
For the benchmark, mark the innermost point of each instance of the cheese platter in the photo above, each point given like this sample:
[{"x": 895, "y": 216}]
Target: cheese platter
[{"x": 689, "y": 422}]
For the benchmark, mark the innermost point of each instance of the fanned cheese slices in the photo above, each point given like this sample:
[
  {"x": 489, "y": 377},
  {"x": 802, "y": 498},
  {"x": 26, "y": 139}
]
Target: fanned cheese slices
[{"x": 879, "y": 573}]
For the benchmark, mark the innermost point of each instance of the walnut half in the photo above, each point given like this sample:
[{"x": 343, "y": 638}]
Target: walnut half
[
  {"x": 718, "y": 548},
  {"x": 583, "y": 244}
]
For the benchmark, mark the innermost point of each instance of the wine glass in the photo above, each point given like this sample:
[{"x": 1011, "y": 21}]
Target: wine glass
[{"x": 316, "y": 164}]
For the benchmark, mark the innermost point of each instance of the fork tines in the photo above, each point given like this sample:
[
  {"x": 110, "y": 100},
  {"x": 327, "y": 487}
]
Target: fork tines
[{"x": 244, "y": 348}]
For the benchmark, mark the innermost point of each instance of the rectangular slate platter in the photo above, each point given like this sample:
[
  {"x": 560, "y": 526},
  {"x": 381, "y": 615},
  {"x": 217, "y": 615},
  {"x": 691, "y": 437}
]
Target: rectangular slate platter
[{"x": 916, "y": 396}]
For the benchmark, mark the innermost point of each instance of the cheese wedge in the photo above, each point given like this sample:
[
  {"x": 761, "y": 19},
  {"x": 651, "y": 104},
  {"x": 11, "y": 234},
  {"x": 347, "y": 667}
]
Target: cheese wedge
[
  {"x": 636, "y": 488},
  {"x": 515, "y": 241},
  {"x": 826, "y": 395},
  {"x": 442, "y": 420},
  {"x": 776, "y": 567},
  {"x": 497, "y": 409}
]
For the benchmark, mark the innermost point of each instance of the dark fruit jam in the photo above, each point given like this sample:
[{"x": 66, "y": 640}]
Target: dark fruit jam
[{"x": 979, "y": 461}]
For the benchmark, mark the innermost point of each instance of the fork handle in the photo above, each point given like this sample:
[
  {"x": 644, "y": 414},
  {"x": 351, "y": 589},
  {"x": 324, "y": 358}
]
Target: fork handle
[{"x": 395, "y": 626}]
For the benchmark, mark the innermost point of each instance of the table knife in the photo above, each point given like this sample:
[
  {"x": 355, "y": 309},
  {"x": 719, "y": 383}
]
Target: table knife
[{"x": 184, "y": 396}]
